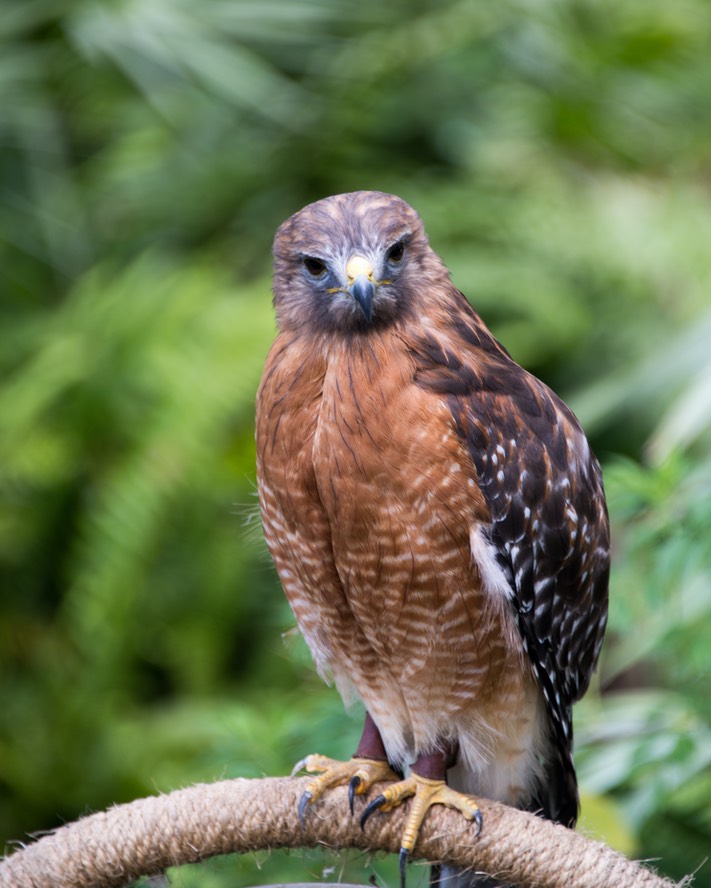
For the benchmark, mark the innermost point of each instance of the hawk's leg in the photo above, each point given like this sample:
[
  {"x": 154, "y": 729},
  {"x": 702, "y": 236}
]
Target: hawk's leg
[
  {"x": 369, "y": 765},
  {"x": 427, "y": 785}
]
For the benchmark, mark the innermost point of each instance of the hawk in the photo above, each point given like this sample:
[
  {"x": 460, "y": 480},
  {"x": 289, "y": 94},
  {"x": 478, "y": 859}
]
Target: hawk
[{"x": 436, "y": 517}]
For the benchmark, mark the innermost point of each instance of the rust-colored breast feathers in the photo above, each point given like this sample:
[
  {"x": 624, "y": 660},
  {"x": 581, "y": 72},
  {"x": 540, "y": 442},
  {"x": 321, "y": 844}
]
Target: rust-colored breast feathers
[
  {"x": 370, "y": 497},
  {"x": 295, "y": 524}
]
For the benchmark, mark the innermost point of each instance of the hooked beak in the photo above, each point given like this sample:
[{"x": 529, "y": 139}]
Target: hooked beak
[{"x": 361, "y": 285}]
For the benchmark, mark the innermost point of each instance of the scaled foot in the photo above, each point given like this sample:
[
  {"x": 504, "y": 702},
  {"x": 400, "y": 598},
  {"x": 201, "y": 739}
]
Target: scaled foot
[
  {"x": 425, "y": 792},
  {"x": 359, "y": 773}
]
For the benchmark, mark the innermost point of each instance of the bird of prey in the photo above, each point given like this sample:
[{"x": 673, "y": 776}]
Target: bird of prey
[{"x": 436, "y": 517}]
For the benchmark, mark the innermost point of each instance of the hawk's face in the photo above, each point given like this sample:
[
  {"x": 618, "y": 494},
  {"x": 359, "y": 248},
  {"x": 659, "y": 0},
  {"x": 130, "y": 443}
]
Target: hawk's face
[{"x": 350, "y": 262}]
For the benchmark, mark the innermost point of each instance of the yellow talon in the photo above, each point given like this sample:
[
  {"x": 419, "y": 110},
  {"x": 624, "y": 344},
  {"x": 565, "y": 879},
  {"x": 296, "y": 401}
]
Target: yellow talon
[
  {"x": 359, "y": 773},
  {"x": 426, "y": 792}
]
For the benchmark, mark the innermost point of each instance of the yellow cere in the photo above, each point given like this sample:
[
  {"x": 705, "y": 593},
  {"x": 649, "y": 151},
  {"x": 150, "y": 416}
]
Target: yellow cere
[{"x": 358, "y": 265}]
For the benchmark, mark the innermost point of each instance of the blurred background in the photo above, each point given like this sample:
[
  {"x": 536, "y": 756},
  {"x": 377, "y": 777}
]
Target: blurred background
[{"x": 560, "y": 156}]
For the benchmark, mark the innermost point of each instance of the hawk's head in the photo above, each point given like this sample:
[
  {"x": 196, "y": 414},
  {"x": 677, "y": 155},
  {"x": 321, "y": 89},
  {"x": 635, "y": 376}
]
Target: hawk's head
[{"x": 351, "y": 262}]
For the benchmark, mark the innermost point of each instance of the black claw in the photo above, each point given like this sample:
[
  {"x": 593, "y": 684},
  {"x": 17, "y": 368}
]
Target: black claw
[
  {"x": 352, "y": 787},
  {"x": 303, "y": 804},
  {"x": 479, "y": 820},
  {"x": 403, "y": 862},
  {"x": 371, "y": 809}
]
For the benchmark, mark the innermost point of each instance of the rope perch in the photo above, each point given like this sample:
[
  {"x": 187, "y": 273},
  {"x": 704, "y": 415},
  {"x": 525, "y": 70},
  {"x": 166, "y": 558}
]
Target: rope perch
[{"x": 146, "y": 836}]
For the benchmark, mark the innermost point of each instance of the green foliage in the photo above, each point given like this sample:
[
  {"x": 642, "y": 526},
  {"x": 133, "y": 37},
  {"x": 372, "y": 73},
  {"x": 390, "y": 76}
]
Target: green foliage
[{"x": 559, "y": 155}]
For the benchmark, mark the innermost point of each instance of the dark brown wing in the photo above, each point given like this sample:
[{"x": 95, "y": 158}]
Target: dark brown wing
[{"x": 543, "y": 487}]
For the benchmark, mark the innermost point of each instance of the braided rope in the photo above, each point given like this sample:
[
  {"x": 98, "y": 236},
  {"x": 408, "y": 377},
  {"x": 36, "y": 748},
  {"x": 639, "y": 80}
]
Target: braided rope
[{"x": 148, "y": 835}]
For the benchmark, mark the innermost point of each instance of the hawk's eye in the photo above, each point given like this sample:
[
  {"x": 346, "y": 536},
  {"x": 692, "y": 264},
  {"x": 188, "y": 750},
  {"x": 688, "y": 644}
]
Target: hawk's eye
[
  {"x": 396, "y": 252},
  {"x": 314, "y": 266}
]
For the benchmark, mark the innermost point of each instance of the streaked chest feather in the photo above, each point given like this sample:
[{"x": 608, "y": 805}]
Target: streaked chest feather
[
  {"x": 372, "y": 538},
  {"x": 395, "y": 482},
  {"x": 388, "y": 467}
]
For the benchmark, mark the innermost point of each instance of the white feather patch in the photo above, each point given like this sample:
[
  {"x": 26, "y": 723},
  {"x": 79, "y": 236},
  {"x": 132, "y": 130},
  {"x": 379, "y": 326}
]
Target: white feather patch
[{"x": 484, "y": 555}]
